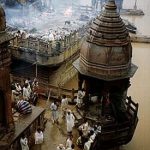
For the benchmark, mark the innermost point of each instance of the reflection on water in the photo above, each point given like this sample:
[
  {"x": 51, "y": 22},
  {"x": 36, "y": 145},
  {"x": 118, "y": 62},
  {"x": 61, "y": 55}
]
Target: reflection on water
[{"x": 140, "y": 83}]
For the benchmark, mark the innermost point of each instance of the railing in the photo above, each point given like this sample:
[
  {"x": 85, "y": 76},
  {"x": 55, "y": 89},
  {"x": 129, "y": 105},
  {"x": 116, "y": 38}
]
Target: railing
[
  {"x": 46, "y": 57},
  {"x": 44, "y": 52}
]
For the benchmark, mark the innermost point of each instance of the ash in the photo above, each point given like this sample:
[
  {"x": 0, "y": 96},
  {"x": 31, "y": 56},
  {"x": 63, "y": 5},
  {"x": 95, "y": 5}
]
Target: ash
[{"x": 47, "y": 19}]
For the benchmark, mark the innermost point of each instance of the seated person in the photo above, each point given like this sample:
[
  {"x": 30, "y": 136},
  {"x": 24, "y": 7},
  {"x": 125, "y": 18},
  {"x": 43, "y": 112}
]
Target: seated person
[{"x": 23, "y": 107}]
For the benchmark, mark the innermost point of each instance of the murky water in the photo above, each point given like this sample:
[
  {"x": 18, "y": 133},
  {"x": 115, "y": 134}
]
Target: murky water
[{"x": 140, "y": 83}]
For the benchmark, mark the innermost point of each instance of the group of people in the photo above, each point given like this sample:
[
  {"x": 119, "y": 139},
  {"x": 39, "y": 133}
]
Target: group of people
[
  {"x": 68, "y": 144},
  {"x": 23, "y": 96},
  {"x": 87, "y": 135},
  {"x": 38, "y": 137},
  {"x": 66, "y": 113}
]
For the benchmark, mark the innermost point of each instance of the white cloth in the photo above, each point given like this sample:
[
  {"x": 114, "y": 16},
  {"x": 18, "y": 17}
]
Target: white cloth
[
  {"x": 80, "y": 96},
  {"x": 64, "y": 103},
  {"x": 38, "y": 137},
  {"x": 29, "y": 89},
  {"x": 26, "y": 93},
  {"x": 15, "y": 95},
  {"x": 54, "y": 110},
  {"x": 92, "y": 137},
  {"x": 24, "y": 143},
  {"x": 87, "y": 145},
  {"x": 18, "y": 87},
  {"x": 61, "y": 147},
  {"x": 68, "y": 143},
  {"x": 70, "y": 122},
  {"x": 85, "y": 128},
  {"x": 69, "y": 148}
]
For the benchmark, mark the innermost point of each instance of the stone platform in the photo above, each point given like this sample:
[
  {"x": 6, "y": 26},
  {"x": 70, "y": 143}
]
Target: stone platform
[{"x": 24, "y": 124}]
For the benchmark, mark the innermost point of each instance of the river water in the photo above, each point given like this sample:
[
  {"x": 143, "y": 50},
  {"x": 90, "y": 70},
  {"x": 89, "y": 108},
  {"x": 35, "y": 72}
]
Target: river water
[{"x": 140, "y": 83}]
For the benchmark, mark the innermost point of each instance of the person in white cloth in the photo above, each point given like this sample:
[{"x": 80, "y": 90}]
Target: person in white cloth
[
  {"x": 80, "y": 96},
  {"x": 54, "y": 110},
  {"x": 64, "y": 105},
  {"x": 39, "y": 136},
  {"x": 69, "y": 142},
  {"x": 24, "y": 143},
  {"x": 26, "y": 92},
  {"x": 87, "y": 144},
  {"x": 70, "y": 121},
  {"x": 84, "y": 128}
]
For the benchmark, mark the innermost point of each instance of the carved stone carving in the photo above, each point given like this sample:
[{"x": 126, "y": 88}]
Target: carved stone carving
[{"x": 106, "y": 53}]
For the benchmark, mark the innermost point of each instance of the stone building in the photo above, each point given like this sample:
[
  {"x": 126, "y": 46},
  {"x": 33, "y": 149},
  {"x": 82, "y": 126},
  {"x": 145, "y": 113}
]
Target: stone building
[
  {"x": 6, "y": 119},
  {"x": 10, "y": 130},
  {"x": 105, "y": 68}
]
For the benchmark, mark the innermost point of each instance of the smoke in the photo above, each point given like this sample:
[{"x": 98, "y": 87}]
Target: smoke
[{"x": 40, "y": 17}]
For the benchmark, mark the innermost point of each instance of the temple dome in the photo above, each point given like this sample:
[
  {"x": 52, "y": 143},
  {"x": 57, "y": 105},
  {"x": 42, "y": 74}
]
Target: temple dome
[
  {"x": 106, "y": 53},
  {"x": 2, "y": 19}
]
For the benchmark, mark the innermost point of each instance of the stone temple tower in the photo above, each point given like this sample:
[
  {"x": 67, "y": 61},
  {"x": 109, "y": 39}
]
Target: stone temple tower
[
  {"x": 104, "y": 70},
  {"x": 6, "y": 119}
]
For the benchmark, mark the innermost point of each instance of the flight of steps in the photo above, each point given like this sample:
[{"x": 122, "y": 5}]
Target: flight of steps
[{"x": 23, "y": 69}]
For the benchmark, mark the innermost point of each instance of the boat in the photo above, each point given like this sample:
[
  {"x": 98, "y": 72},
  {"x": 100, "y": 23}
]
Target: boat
[{"x": 130, "y": 26}]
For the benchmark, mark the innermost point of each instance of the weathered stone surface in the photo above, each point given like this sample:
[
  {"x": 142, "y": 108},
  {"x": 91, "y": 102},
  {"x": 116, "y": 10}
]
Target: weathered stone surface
[{"x": 106, "y": 53}]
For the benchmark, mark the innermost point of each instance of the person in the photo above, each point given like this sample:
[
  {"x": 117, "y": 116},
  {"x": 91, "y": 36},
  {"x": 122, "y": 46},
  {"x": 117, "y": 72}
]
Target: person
[
  {"x": 80, "y": 96},
  {"x": 23, "y": 107},
  {"x": 35, "y": 85},
  {"x": 79, "y": 142},
  {"x": 24, "y": 143},
  {"x": 54, "y": 110},
  {"x": 92, "y": 135},
  {"x": 69, "y": 141},
  {"x": 60, "y": 147},
  {"x": 87, "y": 144},
  {"x": 70, "y": 121},
  {"x": 39, "y": 136},
  {"x": 97, "y": 128},
  {"x": 26, "y": 92},
  {"x": 15, "y": 95},
  {"x": 84, "y": 128},
  {"x": 18, "y": 88},
  {"x": 28, "y": 81},
  {"x": 64, "y": 105},
  {"x": 34, "y": 98}
]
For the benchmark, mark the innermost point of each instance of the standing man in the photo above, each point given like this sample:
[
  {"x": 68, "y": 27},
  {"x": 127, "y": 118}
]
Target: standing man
[
  {"x": 54, "y": 110},
  {"x": 70, "y": 121},
  {"x": 64, "y": 105},
  {"x": 24, "y": 143},
  {"x": 39, "y": 136},
  {"x": 26, "y": 92}
]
